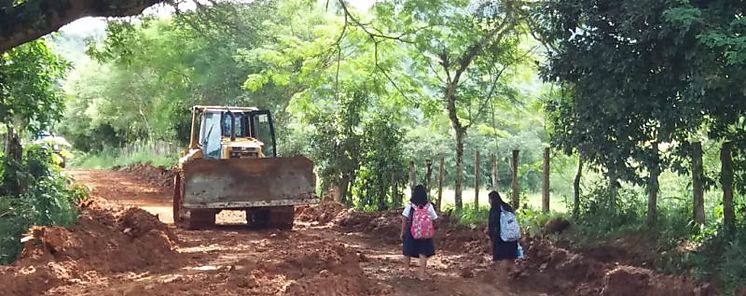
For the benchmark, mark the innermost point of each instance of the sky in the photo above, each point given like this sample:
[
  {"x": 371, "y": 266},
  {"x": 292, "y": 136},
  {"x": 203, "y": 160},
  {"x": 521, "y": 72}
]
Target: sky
[{"x": 88, "y": 25}]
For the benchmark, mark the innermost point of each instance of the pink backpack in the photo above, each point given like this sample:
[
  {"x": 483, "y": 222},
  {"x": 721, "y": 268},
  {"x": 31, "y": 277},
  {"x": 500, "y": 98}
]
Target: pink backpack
[{"x": 422, "y": 224}]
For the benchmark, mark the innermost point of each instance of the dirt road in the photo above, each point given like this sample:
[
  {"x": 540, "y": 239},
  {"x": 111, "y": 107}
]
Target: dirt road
[
  {"x": 309, "y": 260},
  {"x": 121, "y": 246}
]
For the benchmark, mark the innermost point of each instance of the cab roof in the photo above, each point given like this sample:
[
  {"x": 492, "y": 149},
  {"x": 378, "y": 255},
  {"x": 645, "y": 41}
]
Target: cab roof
[{"x": 224, "y": 108}]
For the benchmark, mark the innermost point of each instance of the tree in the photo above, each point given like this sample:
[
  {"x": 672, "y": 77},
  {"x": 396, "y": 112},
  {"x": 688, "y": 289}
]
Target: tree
[
  {"x": 30, "y": 101},
  {"x": 626, "y": 78},
  {"x": 163, "y": 67},
  {"x": 643, "y": 74},
  {"x": 344, "y": 112},
  {"x": 24, "y": 21},
  {"x": 459, "y": 52}
]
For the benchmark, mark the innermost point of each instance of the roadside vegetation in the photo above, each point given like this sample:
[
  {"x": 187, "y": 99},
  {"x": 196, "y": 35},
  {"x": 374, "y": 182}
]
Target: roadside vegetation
[{"x": 33, "y": 191}]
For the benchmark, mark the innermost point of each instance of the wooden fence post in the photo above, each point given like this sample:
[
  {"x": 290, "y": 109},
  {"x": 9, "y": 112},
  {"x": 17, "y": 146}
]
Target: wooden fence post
[
  {"x": 394, "y": 192},
  {"x": 412, "y": 178},
  {"x": 476, "y": 181},
  {"x": 428, "y": 175},
  {"x": 545, "y": 185},
  {"x": 493, "y": 175},
  {"x": 516, "y": 193},
  {"x": 440, "y": 183},
  {"x": 698, "y": 187},
  {"x": 726, "y": 181}
]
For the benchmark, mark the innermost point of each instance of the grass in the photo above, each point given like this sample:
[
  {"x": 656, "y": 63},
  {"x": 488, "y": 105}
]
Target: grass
[{"x": 110, "y": 160}]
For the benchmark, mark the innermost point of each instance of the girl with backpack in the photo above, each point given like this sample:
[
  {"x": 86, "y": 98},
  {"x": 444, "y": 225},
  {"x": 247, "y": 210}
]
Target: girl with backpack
[
  {"x": 418, "y": 229},
  {"x": 504, "y": 241}
]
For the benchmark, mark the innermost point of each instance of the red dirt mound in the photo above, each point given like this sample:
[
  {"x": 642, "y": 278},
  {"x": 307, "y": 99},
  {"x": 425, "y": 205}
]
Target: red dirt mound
[
  {"x": 334, "y": 270},
  {"x": 555, "y": 269},
  {"x": 104, "y": 240},
  {"x": 384, "y": 225},
  {"x": 323, "y": 213},
  {"x": 633, "y": 250},
  {"x": 458, "y": 238},
  {"x": 155, "y": 176},
  {"x": 325, "y": 269},
  {"x": 626, "y": 280}
]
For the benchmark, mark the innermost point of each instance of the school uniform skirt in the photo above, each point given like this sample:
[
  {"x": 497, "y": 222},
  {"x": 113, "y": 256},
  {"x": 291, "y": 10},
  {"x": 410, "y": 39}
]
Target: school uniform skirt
[
  {"x": 502, "y": 250},
  {"x": 415, "y": 247}
]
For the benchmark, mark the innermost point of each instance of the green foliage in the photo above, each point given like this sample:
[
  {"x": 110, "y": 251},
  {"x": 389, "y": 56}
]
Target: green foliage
[
  {"x": 32, "y": 190},
  {"x": 533, "y": 220},
  {"x": 460, "y": 59},
  {"x": 636, "y": 74},
  {"x": 47, "y": 198},
  {"x": 474, "y": 218},
  {"x": 29, "y": 87},
  {"x": 148, "y": 75},
  {"x": 383, "y": 164}
]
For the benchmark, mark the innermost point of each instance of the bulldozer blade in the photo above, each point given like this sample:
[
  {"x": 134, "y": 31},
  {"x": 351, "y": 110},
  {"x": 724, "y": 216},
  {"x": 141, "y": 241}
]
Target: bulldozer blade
[{"x": 248, "y": 182}]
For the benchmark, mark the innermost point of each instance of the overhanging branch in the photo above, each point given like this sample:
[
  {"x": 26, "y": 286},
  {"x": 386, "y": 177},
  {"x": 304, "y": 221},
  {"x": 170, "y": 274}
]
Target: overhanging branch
[{"x": 26, "y": 22}]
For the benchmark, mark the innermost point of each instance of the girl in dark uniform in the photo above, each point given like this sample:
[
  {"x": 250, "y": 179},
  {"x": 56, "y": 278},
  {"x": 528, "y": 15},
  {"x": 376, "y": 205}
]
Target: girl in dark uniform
[
  {"x": 417, "y": 248},
  {"x": 502, "y": 251}
]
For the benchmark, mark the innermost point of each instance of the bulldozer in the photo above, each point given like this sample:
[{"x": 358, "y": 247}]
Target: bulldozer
[{"x": 231, "y": 164}]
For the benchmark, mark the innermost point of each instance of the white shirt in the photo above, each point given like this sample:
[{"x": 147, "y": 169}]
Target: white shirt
[{"x": 430, "y": 211}]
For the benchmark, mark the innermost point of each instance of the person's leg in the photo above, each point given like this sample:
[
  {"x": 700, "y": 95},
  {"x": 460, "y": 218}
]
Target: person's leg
[
  {"x": 407, "y": 263},
  {"x": 423, "y": 267}
]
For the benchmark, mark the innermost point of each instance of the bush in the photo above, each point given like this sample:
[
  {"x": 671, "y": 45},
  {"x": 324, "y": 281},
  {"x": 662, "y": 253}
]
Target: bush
[
  {"x": 46, "y": 197},
  {"x": 732, "y": 269},
  {"x": 533, "y": 221},
  {"x": 470, "y": 216}
]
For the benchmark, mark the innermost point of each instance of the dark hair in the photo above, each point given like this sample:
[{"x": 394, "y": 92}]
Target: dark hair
[
  {"x": 497, "y": 201},
  {"x": 419, "y": 196}
]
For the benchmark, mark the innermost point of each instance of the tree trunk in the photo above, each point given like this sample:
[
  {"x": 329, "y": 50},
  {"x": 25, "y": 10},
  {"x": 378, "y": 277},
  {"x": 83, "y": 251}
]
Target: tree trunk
[
  {"x": 613, "y": 190},
  {"x": 726, "y": 180},
  {"x": 13, "y": 159},
  {"x": 460, "y": 132},
  {"x": 576, "y": 189},
  {"x": 476, "y": 181},
  {"x": 545, "y": 184},
  {"x": 13, "y": 150},
  {"x": 459, "y": 169},
  {"x": 653, "y": 189},
  {"x": 440, "y": 181},
  {"x": 698, "y": 178},
  {"x": 516, "y": 189},
  {"x": 351, "y": 178},
  {"x": 493, "y": 175},
  {"x": 341, "y": 190}
]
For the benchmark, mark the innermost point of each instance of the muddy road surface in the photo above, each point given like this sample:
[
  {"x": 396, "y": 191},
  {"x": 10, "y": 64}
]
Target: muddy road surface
[
  {"x": 124, "y": 243},
  {"x": 311, "y": 259}
]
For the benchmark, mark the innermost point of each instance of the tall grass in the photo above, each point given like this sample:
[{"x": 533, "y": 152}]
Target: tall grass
[{"x": 156, "y": 154}]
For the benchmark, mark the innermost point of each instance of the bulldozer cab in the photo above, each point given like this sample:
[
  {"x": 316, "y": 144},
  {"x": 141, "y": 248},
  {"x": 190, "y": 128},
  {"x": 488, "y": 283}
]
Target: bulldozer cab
[{"x": 234, "y": 132}]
